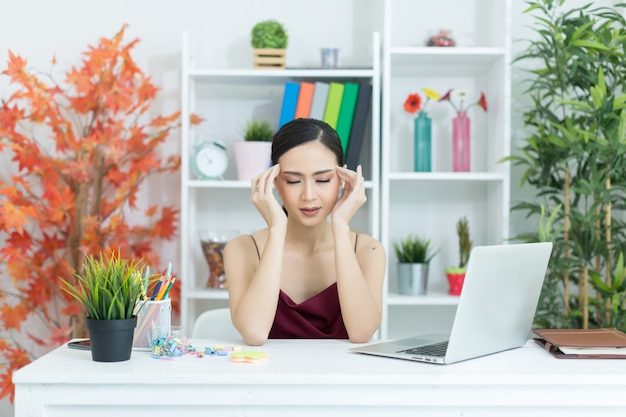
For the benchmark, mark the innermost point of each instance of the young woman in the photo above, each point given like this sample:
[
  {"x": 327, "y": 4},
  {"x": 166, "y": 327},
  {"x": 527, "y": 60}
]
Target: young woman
[{"x": 305, "y": 276}]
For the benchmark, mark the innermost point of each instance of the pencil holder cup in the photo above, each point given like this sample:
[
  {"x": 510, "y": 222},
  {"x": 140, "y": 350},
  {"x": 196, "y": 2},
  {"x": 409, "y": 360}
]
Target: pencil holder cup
[{"x": 153, "y": 315}]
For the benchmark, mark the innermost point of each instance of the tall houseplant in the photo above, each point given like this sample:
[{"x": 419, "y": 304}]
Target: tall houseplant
[
  {"x": 574, "y": 159},
  {"x": 81, "y": 152}
]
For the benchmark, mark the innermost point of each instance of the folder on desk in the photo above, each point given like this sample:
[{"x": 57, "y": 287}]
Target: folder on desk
[{"x": 583, "y": 343}]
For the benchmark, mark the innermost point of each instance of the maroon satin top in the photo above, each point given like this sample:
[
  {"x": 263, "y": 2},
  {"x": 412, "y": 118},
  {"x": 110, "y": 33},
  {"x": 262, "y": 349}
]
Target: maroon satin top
[{"x": 319, "y": 317}]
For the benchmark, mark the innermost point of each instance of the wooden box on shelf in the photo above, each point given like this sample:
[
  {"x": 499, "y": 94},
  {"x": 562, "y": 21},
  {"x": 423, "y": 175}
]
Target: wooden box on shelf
[{"x": 269, "y": 58}]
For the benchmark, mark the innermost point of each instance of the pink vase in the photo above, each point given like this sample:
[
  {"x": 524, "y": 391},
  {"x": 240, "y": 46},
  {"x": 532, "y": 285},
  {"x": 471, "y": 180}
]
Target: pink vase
[{"x": 461, "y": 143}]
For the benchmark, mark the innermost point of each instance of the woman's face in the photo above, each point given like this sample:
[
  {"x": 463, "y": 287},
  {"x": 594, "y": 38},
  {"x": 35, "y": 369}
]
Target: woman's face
[{"x": 308, "y": 182}]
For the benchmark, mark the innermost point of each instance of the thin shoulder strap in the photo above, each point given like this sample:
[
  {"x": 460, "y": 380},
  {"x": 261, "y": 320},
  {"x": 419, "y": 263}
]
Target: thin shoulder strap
[
  {"x": 356, "y": 239},
  {"x": 256, "y": 246}
]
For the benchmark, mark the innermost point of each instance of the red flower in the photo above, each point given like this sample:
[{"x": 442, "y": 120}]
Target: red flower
[
  {"x": 483, "y": 101},
  {"x": 446, "y": 96},
  {"x": 413, "y": 103}
]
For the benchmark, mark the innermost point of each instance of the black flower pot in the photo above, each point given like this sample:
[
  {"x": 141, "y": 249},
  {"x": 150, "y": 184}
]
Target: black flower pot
[{"x": 111, "y": 340}]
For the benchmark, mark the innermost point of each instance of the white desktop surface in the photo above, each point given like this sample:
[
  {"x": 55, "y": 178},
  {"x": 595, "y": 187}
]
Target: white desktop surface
[{"x": 319, "y": 377}]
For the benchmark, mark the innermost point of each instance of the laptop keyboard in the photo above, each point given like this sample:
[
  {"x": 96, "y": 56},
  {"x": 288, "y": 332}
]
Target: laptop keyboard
[{"x": 436, "y": 349}]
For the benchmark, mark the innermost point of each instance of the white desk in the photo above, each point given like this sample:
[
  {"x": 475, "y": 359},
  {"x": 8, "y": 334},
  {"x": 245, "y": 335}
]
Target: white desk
[{"x": 319, "y": 378}]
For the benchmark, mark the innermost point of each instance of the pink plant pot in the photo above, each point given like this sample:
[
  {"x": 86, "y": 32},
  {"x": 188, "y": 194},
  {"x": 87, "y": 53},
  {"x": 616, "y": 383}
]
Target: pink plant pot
[{"x": 455, "y": 281}]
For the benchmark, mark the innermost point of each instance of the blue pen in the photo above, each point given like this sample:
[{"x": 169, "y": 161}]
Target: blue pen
[{"x": 156, "y": 289}]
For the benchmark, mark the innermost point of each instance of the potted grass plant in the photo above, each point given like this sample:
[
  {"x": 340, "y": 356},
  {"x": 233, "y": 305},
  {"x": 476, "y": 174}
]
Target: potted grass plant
[
  {"x": 253, "y": 154},
  {"x": 414, "y": 254},
  {"x": 110, "y": 289},
  {"x": 456, "y": 275}
]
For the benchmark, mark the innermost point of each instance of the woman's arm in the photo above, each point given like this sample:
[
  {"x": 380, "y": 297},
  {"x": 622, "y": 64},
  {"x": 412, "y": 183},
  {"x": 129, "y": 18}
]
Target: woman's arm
[
  {"x": 360, "y": 272},
  {"x": 253, "y": 283}
]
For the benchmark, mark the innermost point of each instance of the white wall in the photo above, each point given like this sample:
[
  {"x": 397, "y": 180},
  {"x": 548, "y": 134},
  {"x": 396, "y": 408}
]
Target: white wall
[{"x": 35, "y": 29}]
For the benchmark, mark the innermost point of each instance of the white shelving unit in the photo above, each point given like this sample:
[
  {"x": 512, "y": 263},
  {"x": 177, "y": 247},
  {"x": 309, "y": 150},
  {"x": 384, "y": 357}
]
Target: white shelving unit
[
  {"x": 430, "y": 204},
  {"x": 227, "y": 99}
]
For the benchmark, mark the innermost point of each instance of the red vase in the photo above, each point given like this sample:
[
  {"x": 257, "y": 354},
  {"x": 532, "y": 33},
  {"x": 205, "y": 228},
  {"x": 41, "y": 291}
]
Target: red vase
[{"x": 461, "y": 143}]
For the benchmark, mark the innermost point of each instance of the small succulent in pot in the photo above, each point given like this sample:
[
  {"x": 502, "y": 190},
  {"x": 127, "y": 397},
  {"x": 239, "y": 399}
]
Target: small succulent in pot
[{"x": 259, "y": 131}]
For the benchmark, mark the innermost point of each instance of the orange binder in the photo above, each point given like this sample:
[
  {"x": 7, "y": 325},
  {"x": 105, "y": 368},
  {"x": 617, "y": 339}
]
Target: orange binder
[{"x": 305, "y": 98}]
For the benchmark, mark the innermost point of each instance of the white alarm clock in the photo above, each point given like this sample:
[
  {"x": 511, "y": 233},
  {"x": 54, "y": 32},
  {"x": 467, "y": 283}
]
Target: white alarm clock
[{"x": 209, "y": 160}]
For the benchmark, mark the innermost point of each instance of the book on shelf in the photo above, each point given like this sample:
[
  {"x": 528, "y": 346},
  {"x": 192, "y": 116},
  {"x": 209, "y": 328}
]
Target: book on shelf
[
  {"x": 333, "y": 103},
  {"x": 290, "y": 100},
  {"x": 583, "y": 343},
  {"x": 318, "y": 104},
  {"x": 359, "y": 124},
  {"x": 305, "y": 98},
  {"x": 346, "y": 114}
]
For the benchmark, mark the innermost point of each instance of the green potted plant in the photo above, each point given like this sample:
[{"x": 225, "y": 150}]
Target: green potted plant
[
  {"x": 456, "y": 275},
  {"x": 572, "y": 157},
  {"x": 269, "y": 40},
  {"x": 253, "y": 155},
  {"x": 110, "y": 290},
  {"x": 414, "y": 254}
]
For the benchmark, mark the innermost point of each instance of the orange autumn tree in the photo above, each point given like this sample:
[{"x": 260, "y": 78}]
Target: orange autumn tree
[{"x": 80, "y": 155}]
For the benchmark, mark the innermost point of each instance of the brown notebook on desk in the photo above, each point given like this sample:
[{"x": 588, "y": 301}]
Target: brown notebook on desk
[{"x": 583, "y": 343}]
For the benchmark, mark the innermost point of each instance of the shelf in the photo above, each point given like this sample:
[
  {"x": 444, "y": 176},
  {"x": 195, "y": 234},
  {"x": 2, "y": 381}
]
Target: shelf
[
  {"x": 234, "y": 184},
  {"x": 446, "y": 176},
  {"x": 207, "y": 294},
  {"x": 252, "y": 76},
  {"x": 430, "y": 299}
]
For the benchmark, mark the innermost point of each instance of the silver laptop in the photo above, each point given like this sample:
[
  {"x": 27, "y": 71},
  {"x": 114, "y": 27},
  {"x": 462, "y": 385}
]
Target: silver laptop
[{"x": 495, "y": 312}]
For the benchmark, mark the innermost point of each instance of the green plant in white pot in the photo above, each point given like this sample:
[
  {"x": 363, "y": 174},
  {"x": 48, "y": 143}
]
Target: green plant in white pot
[
  {"x": 253, "y": 155},
  {"x": 414, "y": 254},
  {"x": 110, "y": 290}
]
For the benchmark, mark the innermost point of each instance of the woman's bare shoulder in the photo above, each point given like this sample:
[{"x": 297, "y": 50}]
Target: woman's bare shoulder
[
  {"x": 368, "y": 243},
  {"x": 247, "y": 242}
]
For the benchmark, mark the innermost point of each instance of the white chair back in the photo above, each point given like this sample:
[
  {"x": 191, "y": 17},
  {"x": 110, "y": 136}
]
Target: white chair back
[{"x": 215, "y": 324}]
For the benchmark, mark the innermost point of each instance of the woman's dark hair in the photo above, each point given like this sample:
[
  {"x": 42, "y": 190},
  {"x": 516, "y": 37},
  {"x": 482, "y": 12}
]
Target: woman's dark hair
[{"x": 299, "y": 131}]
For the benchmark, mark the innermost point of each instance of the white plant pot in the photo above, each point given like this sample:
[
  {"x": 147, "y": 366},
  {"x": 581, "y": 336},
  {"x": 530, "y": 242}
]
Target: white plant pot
[{"x": 252, "y": 158}]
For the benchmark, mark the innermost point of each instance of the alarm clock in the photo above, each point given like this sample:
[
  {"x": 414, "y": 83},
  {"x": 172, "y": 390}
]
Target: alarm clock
[{"x": 209, "y": 160}]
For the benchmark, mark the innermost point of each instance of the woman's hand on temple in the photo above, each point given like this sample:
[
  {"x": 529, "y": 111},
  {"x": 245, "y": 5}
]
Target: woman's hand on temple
[
  {"x": 262, "y": 196},
  {"x": 353, "y": 196}
]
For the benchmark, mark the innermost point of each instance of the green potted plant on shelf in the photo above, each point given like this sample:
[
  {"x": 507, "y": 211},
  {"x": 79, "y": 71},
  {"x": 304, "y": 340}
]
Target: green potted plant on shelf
[
  {"x": 253, "y": 155},
  {"x": 573, "y": 157},
  {"x": 414, "y": 254},
  {"x": 456, "y": 275},
  {"x": 110, "y": 290},
  {"x": 269, "y": 40}
]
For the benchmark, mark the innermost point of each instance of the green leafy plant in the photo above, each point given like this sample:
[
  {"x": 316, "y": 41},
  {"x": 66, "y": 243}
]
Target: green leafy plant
[
  {"x": 259, "y": 131},
  {"x": 109, "y": 287},
  {"x": 574, "y": 159},
  {"x": 413, "y": 249},
  {"x": 269, "y": 34}
]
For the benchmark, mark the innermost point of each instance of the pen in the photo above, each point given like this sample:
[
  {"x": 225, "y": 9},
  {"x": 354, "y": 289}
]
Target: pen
[
  {"x": 156, "y": 289},
  {"x": 169, "y": 287},
  {"x": 146, "y": 279},
  {"x": 162, "y": 290}
]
